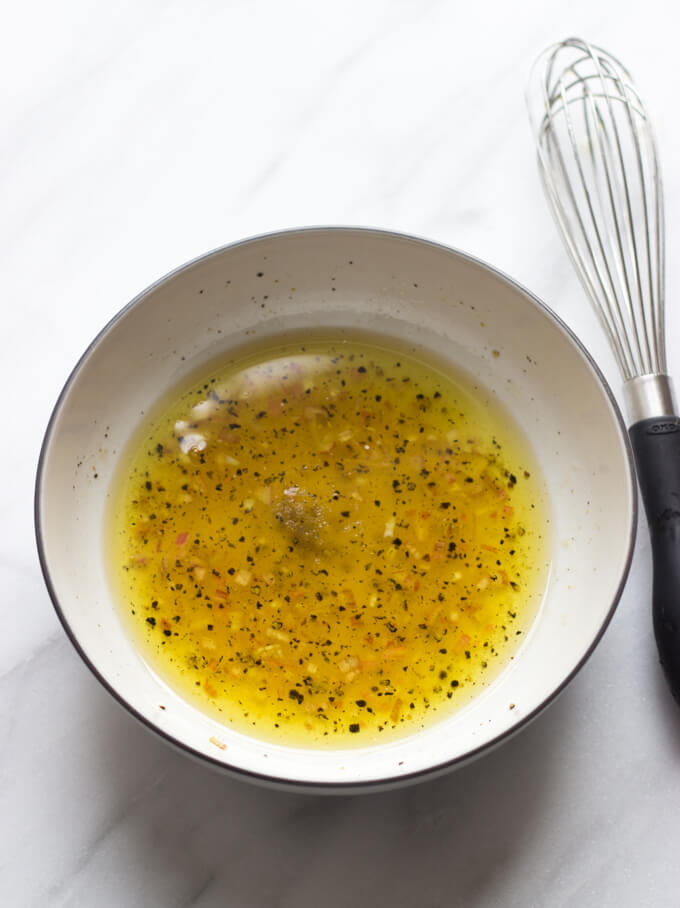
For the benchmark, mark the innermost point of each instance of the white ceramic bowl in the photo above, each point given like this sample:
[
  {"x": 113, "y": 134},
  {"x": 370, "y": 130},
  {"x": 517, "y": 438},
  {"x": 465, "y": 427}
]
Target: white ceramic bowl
[{"x": 451, "y": 304}]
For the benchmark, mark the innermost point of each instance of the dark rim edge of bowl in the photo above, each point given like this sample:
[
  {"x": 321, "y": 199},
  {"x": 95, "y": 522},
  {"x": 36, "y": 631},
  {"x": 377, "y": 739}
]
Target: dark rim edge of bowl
[{"x": 370, "y": 785}]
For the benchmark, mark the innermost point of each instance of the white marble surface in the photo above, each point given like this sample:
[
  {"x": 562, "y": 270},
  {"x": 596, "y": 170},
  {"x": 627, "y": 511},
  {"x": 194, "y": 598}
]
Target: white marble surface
[{"x": 136, "y": 135}]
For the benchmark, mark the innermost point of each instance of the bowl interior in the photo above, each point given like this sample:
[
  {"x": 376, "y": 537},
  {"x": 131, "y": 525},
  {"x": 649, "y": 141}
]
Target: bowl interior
[{"x": 409, "y": 289}]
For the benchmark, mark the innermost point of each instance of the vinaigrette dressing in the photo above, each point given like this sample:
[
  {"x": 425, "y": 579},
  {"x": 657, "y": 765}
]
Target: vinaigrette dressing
[{"x": 328, "y": 542}]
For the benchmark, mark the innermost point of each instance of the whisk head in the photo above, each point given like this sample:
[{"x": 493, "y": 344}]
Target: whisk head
[{"x": 598, "y": 161}]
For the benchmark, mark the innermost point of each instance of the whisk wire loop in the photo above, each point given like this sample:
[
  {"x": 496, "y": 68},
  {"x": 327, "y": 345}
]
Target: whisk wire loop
[
  {"x": 599, "y": 166},
  {"x": 624, "y": 251}
]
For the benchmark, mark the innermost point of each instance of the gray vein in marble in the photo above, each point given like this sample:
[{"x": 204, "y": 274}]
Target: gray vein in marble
[
  {"x": 60, "y": 892},
  {"x": 305, "y": 120},
  {"x": 28, "y": 659},
  {"x": 202, "y": 889}
]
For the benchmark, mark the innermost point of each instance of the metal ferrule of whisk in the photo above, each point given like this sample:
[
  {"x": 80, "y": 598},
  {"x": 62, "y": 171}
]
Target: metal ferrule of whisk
[
  {"x": 598, "y": 162},
  {"x": 649, "y": 396}
]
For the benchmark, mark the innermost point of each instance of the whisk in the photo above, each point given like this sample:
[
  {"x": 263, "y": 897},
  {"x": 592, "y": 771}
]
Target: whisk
[{"x": 598, "y": 161}]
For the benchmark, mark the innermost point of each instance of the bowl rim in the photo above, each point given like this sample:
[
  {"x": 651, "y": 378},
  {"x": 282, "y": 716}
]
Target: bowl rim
[{"x": 276, "y": 781}]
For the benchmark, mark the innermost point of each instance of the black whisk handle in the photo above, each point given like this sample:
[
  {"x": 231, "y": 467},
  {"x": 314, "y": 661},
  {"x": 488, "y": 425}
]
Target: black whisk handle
[{"x": 656, "y": 444}]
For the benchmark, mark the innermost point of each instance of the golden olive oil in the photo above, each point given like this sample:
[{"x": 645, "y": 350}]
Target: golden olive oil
[{"x": 328, "y": 542}]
